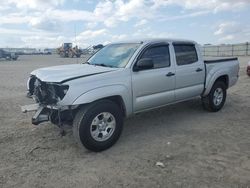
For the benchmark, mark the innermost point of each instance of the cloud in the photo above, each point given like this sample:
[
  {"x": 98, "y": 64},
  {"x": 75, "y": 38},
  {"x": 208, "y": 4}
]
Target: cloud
[
  {"x": 70, "y": 15},
  {"x": 215, "y": 5},
  {"x": 14, "y": 18},
  {"x": 232, "y": 31},
  {"x": 148, "y": 33},
  {"x": 35, "y": 4},
  {"x": 22, "y": 32},
  {"x": 227, "y": 38},
  {"x": 141, "y": 22},
  {"x": 104, "y": 20},
  {"x": 44, "y": 41},
  {"x": 90, "y": 37},
  {"x": 30, "y": 38},
  {"x": 4, "y": 7},
  {"x": 45, "y": 23},
  {"x": 227, "y": 28},
  {"x": 183, "y": 16},
  {"x": 52, "y": 16},
  {"x": 113, "y": 12},
  {"x": 90, "y": 34},
  {"x": 115, "y": 38},
  {"x": 91, "y": 25}
]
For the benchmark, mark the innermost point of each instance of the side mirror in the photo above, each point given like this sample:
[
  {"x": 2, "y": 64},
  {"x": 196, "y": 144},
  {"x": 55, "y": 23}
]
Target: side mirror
[{"x": 143, "y": 64}]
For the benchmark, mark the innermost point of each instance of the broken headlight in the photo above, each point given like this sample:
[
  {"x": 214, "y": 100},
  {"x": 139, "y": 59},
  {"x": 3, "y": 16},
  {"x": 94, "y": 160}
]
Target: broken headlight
[{"x": 49, "y": 93}]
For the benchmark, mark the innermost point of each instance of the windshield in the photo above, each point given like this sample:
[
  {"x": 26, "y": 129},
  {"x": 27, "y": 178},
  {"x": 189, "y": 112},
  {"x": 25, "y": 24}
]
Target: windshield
[{"x": 114, "y": 55}]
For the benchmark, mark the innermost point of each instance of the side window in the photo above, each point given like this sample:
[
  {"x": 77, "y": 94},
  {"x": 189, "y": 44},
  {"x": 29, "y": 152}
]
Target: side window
[
  {"x": 185, "y": 54},
  {"x": 159, "y": 55}
]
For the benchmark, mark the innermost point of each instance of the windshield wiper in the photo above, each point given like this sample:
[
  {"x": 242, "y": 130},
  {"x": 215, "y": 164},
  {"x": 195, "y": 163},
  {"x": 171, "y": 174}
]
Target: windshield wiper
[{"x": 103, "y": 65}]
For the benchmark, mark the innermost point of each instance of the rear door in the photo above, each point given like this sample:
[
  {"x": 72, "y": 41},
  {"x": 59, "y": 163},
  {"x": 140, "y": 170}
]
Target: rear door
[
  {"x": 154, "y": 87},
  {"x": 190, "y": 71}
]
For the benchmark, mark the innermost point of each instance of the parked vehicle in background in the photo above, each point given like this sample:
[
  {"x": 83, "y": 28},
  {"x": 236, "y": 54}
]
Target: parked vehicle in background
[
  {"x": 8, "y": 55},
  {"x": 92, "y": 49},
  {"x": 97, "y": 47},
  {"x": 47, "y": 51},
  {"x": 248, "y": 68},
  {"x": 123, "y": 79}
]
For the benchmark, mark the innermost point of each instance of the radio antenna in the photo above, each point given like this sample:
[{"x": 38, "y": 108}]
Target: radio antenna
[{"x": 76, "y": 42}]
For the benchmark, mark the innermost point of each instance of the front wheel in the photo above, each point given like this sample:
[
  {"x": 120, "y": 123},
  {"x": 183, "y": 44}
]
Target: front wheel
[
  {"x": 98, "y": 125},
  {"x": 62, "y": 54},
  {"x": 71, "y": 54},
  {"x": 216, "y": 98}
]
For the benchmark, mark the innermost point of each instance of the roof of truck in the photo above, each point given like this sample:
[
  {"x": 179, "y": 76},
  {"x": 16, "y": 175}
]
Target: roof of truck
[{"x": 153, "y": 40}]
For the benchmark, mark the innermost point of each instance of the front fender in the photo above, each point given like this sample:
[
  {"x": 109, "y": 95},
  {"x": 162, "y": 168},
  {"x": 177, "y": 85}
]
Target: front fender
[{"x": 104, "y": 92}]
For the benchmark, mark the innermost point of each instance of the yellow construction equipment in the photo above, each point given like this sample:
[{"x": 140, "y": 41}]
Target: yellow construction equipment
[{"x": 66, "y": 50}]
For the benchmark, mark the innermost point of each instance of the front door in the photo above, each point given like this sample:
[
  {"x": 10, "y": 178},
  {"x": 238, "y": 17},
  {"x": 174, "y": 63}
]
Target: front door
[{"x": 154, "y": 87}]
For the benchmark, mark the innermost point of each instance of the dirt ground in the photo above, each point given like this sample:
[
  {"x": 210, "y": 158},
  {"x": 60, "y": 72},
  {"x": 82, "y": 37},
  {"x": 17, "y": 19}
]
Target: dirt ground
[{"x": 197, "y": 148}]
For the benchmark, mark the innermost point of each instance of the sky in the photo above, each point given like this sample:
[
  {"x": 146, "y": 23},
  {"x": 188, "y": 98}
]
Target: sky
[{"x": 49, "y": 23}]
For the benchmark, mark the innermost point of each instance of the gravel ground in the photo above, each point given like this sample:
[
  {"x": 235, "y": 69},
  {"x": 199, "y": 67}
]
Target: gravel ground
[{"x": 197, "y": 148}]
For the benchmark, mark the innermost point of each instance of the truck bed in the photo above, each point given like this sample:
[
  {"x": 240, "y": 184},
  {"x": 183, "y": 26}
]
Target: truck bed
[{"x": 221, "y": 66}]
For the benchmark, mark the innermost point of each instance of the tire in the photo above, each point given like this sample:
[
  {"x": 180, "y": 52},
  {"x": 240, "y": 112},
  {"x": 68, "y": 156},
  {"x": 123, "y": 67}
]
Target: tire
[
  {"x": 71, "y": 54},
  {"x": 84, "y": 128},
  {"x": 62, "y": 54},
  {"x": 210, "y": 103}
]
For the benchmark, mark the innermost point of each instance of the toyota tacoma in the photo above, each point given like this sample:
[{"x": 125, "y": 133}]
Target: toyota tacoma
[{"x": 123, "y": 79}]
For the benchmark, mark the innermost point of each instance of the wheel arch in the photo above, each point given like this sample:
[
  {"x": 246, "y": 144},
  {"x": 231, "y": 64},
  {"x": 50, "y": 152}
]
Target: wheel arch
[
  {"x": 218, "y": 77},
  {"x": 117, "y": 99},
  {"x": 223, "y": 78},
  {"x": 117, "y": 94}
]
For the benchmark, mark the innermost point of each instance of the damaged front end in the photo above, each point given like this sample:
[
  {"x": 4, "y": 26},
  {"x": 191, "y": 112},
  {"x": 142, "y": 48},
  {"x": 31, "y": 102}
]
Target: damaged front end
[
  {"x": 44, "y": 92},
  {"x": 46, "y": 96}
]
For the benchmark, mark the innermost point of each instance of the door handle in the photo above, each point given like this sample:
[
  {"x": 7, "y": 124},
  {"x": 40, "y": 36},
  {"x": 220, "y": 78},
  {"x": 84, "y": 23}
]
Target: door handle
[
  {"x": 198, "y": 70},
  {"x": 170, "y": 74}
]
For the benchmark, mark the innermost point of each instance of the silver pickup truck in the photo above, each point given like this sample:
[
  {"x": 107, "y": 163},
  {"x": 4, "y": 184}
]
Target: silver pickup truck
[{"x": 123, "y": 79}]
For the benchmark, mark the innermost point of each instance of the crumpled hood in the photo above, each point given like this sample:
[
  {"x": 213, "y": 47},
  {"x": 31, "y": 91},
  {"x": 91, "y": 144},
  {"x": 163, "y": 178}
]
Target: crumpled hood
[{"x": 65, "y": 73}]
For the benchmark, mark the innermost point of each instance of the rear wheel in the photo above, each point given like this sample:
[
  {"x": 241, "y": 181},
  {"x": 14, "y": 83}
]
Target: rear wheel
[
  {"x": 216, "y": 98},
  {"x": 99, "y": 125}
]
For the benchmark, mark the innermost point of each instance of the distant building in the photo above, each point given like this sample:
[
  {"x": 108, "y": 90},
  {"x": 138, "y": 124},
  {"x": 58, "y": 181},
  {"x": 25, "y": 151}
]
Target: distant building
[{"x": 21, "y": 50}]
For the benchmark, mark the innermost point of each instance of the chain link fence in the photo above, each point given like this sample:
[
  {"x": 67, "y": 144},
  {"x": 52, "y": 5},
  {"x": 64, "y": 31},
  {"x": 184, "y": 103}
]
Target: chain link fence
[{"x": 242, "y": 49}]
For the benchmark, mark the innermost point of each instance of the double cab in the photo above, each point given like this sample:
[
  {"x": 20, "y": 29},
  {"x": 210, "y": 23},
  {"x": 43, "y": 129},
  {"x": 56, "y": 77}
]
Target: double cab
[{"x": 123, "y": 79}]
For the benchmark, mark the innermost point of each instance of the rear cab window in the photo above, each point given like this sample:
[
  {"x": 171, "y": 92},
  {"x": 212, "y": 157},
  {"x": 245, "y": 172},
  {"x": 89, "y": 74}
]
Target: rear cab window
[{"x": 185, "y": 53}]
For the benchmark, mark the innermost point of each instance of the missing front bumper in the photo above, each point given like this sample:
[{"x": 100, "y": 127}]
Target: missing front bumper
[
  {"x": 55, "y": 114},
  {"x": 41, "y": 114}
]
